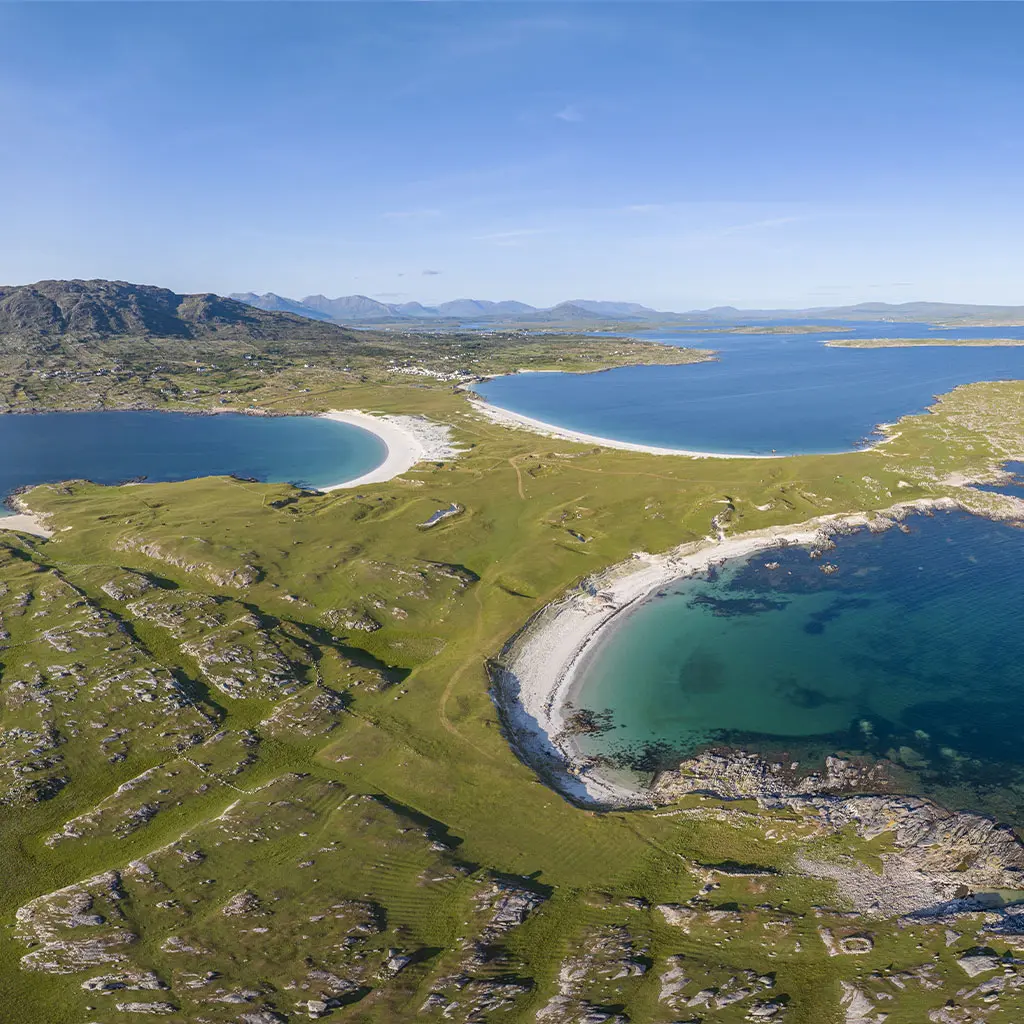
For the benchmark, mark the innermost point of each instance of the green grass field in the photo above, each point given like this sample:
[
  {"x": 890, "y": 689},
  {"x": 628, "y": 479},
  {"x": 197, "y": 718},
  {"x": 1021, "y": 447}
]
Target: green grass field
[{"x": 250, "y": 727}]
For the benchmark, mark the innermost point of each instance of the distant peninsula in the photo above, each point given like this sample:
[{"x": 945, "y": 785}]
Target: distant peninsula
[
  {"x": 773, "y": 329},
  {"x": 922, "y": 342}
]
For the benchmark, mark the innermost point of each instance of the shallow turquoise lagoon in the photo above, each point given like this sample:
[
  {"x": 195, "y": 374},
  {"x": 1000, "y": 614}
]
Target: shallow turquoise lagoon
[
  {"x": 112, "y": 447},
  {"x": 912, "y": 651}
]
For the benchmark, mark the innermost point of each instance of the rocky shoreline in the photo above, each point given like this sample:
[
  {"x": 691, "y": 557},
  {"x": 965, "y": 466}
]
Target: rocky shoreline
[{"x": 939, "y": 862}]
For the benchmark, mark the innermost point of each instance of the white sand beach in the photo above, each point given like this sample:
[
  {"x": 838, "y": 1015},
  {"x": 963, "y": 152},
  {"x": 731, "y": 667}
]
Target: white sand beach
[
  {"x": 25, "y": 522},
  {"x": 506, "y": 418},
  {"x": 515, "y": 420},
  {"x": 409, "y": 440},
  {"x": 539, "y": 664}
]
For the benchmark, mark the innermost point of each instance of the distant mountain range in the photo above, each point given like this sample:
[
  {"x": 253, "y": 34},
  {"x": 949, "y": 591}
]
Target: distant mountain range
[
  {"x": 921, "y": 312},
  {"x": 51, "y": 316},
  {"x": 350, "y": 309},
  {"x": 355, "y": 308}
]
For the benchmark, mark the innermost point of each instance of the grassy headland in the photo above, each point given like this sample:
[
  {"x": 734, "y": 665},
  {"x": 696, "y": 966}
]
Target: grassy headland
[
  {"x": 363, "y": 780},
  {"x": 250, "y": 726}
]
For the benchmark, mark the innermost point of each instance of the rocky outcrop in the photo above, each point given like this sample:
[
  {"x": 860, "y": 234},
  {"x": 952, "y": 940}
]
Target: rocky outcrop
[
  {"x": 68, "y": 931},
  {"x": 740, "y": 775},
  {"x": 939, "y": 861},
  {"x": 471, "y": 991}
]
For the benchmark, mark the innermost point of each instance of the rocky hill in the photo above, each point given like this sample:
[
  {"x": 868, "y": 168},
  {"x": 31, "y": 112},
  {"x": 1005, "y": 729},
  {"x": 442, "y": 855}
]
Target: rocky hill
[
  {"x": 53, "y": 332},
  {"x": 278, "y": 304},
  {"x": 40, "y": 316}
]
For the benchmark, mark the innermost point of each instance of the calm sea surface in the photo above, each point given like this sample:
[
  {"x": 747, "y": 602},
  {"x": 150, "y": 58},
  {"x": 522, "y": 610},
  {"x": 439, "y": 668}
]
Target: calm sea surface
[
  {"x": 1013, "y": 487},
  {"x": 785, "y": 393},
  {"x": 913, "y": 651},
  {"x": 111, "y": 447}
]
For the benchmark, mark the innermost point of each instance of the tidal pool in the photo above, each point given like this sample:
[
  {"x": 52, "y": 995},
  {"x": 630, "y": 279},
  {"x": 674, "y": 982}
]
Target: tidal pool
[{"x": 912, "y": 651}]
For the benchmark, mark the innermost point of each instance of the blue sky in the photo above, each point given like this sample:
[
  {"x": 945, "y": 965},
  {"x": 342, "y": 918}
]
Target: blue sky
[{"x": 681, "y": 155}]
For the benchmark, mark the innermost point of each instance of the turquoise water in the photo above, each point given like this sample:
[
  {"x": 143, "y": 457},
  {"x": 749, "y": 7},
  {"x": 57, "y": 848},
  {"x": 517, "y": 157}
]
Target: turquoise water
[
  {"x": 912, "y": 651},
  {"x": 112, "y": 447},
  {"x": 788, "y": 394}
]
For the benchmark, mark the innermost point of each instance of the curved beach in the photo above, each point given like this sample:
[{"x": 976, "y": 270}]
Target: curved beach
[
  {"x": 515, "y": 420},
  {"x": 536, "y": 670},
  {"x": 408, "y": 439}
]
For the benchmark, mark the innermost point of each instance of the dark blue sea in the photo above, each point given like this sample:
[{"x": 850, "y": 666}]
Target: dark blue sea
[
  {"x": 112, "y": 447},
  {"x": 788, "y": 394},
  {"x": 1013, "y": 487},
  {"x": 911, "y": 652}
]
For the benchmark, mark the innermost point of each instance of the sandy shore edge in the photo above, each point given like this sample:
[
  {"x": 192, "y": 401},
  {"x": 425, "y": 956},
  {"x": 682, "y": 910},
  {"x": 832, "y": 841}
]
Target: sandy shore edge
[
  {"x": 535, "y": 671},
  {"x": 515, "y": 420},
  {"x": 26, "y": 522},
  {"x": 408, "y": 439}
]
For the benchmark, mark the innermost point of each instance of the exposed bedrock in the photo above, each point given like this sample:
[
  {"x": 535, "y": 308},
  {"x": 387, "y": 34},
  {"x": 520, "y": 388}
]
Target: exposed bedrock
[{"x": 937, "y": 862}]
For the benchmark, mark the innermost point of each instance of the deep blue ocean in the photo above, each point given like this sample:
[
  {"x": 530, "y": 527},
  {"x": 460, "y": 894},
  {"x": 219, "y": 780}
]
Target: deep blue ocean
[
  {"x": 784, "y": 393},
  {"x": 912, "y": 651},
  {"x": 112, "y": 447}
]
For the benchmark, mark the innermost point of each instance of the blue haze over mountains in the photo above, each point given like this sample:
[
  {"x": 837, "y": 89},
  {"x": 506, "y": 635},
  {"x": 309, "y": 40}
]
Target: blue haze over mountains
[
  {"x": 362, "y": 307},
  {"x": 353, "y": 308}
]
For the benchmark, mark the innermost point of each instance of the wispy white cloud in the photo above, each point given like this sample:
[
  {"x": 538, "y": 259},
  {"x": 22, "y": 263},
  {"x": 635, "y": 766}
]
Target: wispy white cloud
[
  {"x": 516, "y": 237},
  {"x": 758, "y": 225},
  {"x": 411, "y": 214},
  {"x": 570, "y": 112}
]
